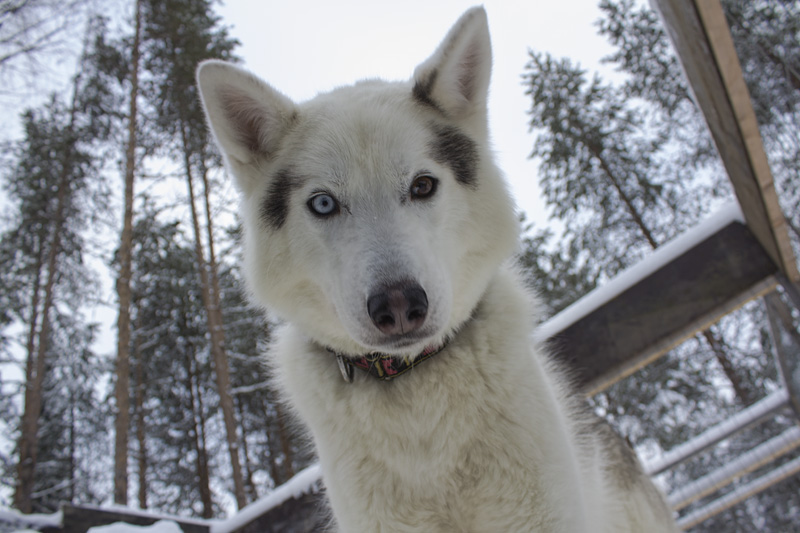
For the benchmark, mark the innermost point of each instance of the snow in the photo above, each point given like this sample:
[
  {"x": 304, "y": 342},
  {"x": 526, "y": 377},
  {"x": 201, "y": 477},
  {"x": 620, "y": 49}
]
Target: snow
[
  {"x": 162, "y": 526},
  {"x": 629, "y": 277},
  {"x": 304, "y": 482},
  {"x": 27, "y": 522}
]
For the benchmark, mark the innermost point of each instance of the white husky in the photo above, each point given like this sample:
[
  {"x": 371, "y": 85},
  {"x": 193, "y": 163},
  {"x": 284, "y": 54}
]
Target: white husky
[{"x": 378, "y": 227}]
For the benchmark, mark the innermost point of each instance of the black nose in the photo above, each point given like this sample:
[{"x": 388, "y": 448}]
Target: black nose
[{"x": 398, "y": 309}]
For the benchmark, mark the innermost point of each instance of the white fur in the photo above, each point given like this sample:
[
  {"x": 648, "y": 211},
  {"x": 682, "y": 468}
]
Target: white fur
[{"x": 485, "y": 436}]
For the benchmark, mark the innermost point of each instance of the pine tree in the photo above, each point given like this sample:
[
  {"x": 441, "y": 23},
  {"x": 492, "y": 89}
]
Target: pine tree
[
  {"x": 56, "y": 170},
  {"x": 765, "y": 37},
  {"x": 605, "y": 171},
  {"x": 182, "y": 33},
  {"x": 169, "y": 339},
  {"x": 72, "y": 438}
]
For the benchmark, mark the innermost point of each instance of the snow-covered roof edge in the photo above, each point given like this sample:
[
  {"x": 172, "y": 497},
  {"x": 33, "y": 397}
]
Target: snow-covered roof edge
[
  {"x": 146, "y": 513},
  {"x": 303, "y": 482},
  {"x": 727, "y": 214}
]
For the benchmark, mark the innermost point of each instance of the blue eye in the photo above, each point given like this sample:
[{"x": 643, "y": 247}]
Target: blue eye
[{"x": 323, "y": 205}]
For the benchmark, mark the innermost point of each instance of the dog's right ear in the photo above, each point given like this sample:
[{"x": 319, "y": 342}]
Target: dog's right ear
[{"x": 247, "y": 117}]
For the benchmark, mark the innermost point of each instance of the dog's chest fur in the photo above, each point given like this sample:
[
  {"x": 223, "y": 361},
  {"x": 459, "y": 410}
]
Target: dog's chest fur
[{"x": 461, "y": 443}]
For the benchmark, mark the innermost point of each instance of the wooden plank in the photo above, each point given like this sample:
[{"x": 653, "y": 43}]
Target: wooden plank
[
  {"x": 668, "y": 342},
  {"x": 79, "y": 519},
  {"x": 704, "y": 45},
  {"x": 679, "y": 299}
]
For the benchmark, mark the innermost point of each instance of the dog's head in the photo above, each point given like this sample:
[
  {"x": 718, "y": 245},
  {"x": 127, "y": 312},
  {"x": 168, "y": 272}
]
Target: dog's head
[{"x": 374, "y": 215}]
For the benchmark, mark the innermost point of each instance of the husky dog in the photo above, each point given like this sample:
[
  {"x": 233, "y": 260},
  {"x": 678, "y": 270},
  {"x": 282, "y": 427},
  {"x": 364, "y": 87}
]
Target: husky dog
[{"x": 378, "y": 228}]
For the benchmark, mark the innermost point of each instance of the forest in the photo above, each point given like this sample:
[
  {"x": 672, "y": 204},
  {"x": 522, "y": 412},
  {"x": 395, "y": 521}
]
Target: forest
[{"x": 181, "y": 418}]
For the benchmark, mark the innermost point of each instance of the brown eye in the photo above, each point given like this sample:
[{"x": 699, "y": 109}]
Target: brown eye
[{"x": 423, "y": 187}]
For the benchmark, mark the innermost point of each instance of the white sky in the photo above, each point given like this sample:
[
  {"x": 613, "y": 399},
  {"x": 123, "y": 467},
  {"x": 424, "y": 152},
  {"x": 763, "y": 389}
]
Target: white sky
[{"x": 303, "y": 47}]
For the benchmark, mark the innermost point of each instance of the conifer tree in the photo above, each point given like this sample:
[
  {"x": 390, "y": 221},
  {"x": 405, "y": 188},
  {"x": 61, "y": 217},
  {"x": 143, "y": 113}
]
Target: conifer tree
[
  {"x": 181, "y": 33},
  {"x": 56, "y": 170},
  {"x": 169, "y": 339}
]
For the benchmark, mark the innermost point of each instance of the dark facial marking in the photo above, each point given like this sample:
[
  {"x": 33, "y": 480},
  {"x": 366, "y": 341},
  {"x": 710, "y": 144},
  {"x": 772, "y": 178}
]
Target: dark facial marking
[
  {"x": 275, "y": 205},
  {"x": 452, "y": 148}
]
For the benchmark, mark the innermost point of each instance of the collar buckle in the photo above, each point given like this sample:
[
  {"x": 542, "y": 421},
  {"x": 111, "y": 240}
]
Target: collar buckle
[{"x": 346, "y": 369}]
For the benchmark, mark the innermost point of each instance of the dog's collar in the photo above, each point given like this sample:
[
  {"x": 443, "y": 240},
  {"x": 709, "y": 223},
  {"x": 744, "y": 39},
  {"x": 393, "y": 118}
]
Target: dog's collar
[{"x": 382, "y": 366}]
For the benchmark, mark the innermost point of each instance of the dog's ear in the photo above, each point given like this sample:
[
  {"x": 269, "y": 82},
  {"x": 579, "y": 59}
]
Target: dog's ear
[
  {"x": 455, "y": 79},
  {"x": 247, "y": 117}
]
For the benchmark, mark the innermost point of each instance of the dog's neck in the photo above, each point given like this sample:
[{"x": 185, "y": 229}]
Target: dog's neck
[{"x": 383, "y": 366}]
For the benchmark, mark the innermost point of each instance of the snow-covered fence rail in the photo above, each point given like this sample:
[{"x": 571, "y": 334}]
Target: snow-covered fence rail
[
  {"x": 761, "y": 455},
  {"x": 757, "y": 412},
  {"x": 740, "y": 494}
]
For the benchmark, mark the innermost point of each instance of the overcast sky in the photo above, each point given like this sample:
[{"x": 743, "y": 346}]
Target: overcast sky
[{"x": 303, "y": 47}]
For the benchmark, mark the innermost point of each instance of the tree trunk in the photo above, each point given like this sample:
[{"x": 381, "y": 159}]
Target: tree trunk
[
  {"x": 250, "y": 486},
  {"x": 746, "y": 397},
  {"x": 22, "y": 493},
  {"x": 33, "y": 321},
  {"x": 217, "y": 335},
  {"x": 73, "y": 447},
  {"x": 121, "y": 391},
  {"x": 199, "y": 433},
  {"x": 286, "y": 448},
  {"x": 141, "y": 429},
  {"x": 632, "y": 211}
]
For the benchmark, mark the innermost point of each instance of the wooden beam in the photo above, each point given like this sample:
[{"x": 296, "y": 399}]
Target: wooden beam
[
  {"x": 79, "y": 519},
  {"x": 705, "y": 48},
  {"x": 681, "y": 298}
]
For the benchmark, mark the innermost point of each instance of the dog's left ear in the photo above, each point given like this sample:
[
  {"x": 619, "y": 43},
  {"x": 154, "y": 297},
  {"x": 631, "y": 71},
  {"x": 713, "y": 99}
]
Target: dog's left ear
[{"x": 455, "y": 79}]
